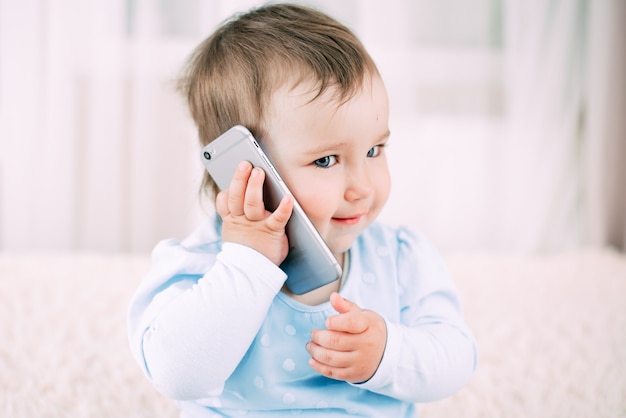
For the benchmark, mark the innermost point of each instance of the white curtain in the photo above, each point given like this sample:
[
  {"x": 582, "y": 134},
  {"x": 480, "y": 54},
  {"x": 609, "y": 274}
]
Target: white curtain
[
  {"x": 562, "y": 182},
  {"x": 539, "y": 161},
  {"x": 507, "y": 120},
  {"x": 96, "y": 147},
  {"x": 604, "y": 150}
]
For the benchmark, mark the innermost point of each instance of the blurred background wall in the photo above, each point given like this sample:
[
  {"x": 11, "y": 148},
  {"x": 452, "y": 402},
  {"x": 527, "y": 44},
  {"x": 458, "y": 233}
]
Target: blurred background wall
[{"x": 507, "y": 119}]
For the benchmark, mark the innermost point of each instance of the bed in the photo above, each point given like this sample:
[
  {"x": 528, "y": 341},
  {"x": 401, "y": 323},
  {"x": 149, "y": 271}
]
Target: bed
[{"x": 551, "y": 332}]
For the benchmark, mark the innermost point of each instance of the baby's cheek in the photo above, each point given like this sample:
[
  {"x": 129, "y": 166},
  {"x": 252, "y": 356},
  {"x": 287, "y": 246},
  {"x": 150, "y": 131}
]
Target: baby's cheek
[{"x": 315, "y": 210}]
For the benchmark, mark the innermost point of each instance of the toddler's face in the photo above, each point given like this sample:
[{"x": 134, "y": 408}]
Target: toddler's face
[{"x": 332, "y": 157}]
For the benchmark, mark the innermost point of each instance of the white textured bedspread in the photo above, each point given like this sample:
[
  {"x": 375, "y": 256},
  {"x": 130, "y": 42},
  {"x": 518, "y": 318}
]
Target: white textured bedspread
[{"x": 551, "y": 332}]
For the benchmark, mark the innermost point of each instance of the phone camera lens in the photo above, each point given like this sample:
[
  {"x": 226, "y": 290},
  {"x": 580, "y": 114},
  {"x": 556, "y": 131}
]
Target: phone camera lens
[{"x": 207, "y": 155}]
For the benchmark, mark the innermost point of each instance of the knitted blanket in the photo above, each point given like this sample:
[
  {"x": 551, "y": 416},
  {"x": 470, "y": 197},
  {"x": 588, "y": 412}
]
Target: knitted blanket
[{"x": 551, "y": 333}]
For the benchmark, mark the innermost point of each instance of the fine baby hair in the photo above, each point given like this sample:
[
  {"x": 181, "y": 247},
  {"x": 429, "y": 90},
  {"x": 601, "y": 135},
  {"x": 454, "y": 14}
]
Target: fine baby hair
[{"x": 230, "y": 77}]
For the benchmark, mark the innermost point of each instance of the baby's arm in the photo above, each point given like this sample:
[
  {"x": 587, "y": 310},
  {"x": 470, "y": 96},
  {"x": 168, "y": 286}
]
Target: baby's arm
[
  {"x": 425, "y": 362},
  {"x": 429, "y": 355},
  {"x": 198, "y": 336}
]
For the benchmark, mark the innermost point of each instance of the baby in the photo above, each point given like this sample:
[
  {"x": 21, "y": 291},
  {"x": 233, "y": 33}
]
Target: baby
[{"x": 214, "y": 327}]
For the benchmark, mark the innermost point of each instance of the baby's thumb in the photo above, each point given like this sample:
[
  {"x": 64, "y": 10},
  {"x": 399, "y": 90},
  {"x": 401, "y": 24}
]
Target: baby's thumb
[
  {"x": 340, "y": 304},
  {"x": 278, "y": 219}
]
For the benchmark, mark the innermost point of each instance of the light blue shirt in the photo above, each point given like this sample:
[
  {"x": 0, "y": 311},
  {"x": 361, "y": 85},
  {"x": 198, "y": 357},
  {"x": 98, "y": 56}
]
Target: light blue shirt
[{"x": 210, "y": 327}]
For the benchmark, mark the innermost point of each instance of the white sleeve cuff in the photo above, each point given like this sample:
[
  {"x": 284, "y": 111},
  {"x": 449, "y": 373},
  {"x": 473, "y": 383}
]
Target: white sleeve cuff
[
  {"x": 385, "y": 373},
  {"x": 252, "y": 263}
]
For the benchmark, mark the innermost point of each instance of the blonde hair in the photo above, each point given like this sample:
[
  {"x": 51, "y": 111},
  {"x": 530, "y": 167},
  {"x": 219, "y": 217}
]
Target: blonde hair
[{"x": 230, "y": 77}]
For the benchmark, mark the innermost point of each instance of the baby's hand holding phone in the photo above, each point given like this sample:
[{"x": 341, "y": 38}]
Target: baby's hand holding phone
[
  {"x": 309, "y": 263},
  {"x": 244, "y": 217}
]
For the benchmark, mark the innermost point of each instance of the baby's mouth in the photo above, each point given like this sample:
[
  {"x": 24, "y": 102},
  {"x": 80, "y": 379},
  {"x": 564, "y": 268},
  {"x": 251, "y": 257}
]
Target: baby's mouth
[{"x": 349, "y": 220}]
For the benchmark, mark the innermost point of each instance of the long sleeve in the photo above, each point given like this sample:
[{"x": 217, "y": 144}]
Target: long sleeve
[
  {"x": 430, "y": 353},
  {"x": 190, "y": 333}
]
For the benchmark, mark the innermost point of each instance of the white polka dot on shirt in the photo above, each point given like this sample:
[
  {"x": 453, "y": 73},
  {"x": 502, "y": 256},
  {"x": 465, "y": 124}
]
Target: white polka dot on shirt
[
  {"x": 369, "y": 278},
  {"x": 289, "y": 365},
  {"x": 259, "y": 382},
  {"x": 321, "y": 404},
  {"x": 290, "y": 330},
  {"x": 288, "y": 398}
]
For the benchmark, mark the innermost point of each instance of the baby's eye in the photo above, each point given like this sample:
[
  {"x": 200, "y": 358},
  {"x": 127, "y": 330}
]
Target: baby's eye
[
  {"x": 325, "y": 162},
  {"x": 374, "y": 151}
]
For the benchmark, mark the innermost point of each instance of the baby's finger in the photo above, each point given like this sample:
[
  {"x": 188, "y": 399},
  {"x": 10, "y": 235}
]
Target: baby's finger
[
  {"x": 354, "y": 322},
  {"x": 221, "y": 203},
  {"x": 341, "y": 304},
  {"x": 237, "y": 188},
  {"x": 337, "y": 373},
  {"x": 278, "y": 220},
  {"x": 253, "y": 206},
  {"x": 337, "y": 341},
  {"x": 331, "y": 358}
]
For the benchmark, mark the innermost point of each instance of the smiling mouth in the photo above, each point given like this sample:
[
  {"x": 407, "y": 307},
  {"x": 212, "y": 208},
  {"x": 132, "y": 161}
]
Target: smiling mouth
[{"x": 349, "y": 221}]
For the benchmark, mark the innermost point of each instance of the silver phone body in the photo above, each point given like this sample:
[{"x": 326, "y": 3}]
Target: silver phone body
[{"x": 309, "y": 264}]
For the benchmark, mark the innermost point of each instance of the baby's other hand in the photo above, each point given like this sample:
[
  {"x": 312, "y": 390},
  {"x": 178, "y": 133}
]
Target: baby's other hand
[
  {"x": 245, "y": 220},
  {"x": 353, "y": 344}
]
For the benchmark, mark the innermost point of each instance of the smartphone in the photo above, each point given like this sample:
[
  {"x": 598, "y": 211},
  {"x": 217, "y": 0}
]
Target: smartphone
[{"x": 309, "y": 264}]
